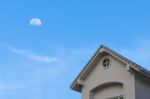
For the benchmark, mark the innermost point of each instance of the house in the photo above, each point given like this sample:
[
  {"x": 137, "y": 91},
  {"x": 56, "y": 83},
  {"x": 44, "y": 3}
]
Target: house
[{"x": 109, "y": 75}]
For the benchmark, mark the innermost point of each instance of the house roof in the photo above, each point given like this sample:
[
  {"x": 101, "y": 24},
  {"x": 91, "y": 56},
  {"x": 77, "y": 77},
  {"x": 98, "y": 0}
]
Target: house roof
[{"x": 77, "y": 86}]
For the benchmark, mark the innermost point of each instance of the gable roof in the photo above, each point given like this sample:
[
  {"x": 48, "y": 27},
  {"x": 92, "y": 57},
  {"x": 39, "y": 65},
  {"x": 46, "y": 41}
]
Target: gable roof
[{"x": 77, "y": 83}]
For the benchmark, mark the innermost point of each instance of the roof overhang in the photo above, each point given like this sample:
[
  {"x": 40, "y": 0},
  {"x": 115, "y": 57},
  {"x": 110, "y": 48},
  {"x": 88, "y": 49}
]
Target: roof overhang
[{"x": 78, "y": 82}]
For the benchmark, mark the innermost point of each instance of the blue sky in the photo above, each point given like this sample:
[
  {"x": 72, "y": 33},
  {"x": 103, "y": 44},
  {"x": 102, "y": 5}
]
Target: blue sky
[{"x": 41, "y": 61}]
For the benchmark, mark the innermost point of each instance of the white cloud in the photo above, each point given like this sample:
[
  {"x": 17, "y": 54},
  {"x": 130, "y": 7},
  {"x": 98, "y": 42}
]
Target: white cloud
[
  {"x": 33, "y": 56},
  {"x": 35, "y": 22}
]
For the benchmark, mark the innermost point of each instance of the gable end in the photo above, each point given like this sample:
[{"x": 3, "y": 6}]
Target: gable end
[{"x": 77, "y": 86}]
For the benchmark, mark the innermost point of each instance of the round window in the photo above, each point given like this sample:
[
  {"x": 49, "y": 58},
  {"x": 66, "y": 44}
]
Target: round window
[{"x": 106, "y": 63}]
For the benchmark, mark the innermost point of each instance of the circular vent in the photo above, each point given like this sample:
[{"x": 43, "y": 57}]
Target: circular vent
[{"x": 106, "y": 63}]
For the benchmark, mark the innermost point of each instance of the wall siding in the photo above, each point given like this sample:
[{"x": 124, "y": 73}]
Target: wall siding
[{"x": 142, "y": 87}]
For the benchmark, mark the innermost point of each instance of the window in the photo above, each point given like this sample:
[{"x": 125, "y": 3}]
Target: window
[
  {"x": 106, "y": 63},
  {"x": 117, "y": 97}
]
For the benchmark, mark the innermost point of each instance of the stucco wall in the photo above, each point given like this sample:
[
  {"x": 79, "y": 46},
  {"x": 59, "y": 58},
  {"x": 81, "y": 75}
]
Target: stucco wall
[
  {"x": 108, "y": 91},
  {"x": 142, "y": 87},
  {"x": 116, "y": 73}
]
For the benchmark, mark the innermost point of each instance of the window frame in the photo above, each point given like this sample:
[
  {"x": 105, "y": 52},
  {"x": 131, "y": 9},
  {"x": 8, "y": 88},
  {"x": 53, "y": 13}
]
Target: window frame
[
  {"x": 107, "y": 64},
  {"x": 116, "y": 97}
]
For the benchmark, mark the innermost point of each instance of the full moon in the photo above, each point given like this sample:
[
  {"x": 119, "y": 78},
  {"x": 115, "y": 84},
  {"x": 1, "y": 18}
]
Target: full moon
[{"x": 35, "y": 22}]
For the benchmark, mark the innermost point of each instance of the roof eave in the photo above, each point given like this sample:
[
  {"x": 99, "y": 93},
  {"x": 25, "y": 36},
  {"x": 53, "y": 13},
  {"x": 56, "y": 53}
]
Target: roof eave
[{"x": 75, "y": 86}]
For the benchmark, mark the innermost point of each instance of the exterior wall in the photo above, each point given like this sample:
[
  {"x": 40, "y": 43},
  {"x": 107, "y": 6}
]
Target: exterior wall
[
  {"x": 109, "y": 91},
  {"x": 116, "y": 73},
  {"x": 142, "y": 87}
]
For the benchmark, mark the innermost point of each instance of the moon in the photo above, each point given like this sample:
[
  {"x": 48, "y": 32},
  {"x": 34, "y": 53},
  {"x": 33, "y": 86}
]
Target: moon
[{"x": 35, "y": 22}]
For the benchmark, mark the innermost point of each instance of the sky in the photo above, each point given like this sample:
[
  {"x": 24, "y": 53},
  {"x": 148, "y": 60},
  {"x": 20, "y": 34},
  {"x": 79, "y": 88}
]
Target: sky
[{"x": 44, "y": 44}]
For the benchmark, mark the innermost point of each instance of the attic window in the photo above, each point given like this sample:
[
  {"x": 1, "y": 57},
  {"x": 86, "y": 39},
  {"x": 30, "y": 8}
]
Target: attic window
[{"x": 106, "y": 63}]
